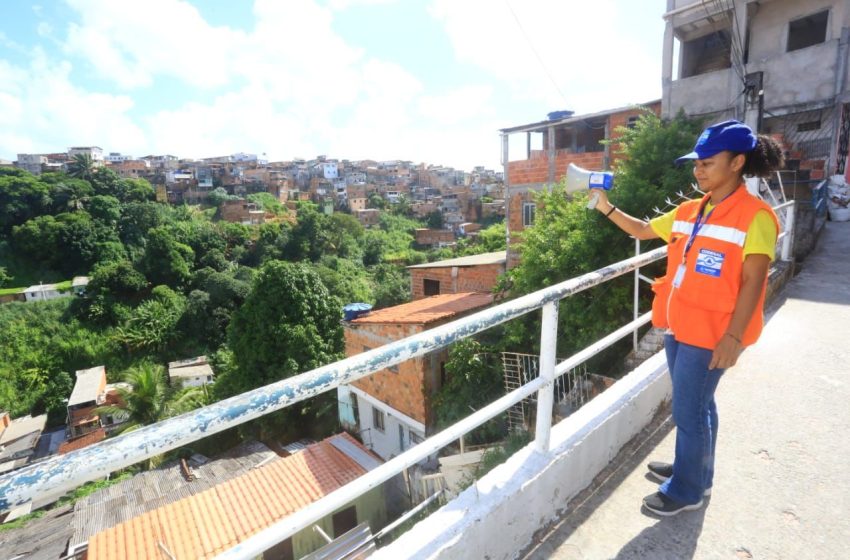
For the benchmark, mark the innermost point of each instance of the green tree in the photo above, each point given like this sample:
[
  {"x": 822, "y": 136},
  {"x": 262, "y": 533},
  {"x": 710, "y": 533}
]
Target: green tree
[
  {"x": 376, "y": 201},
  {"x": 148, "y": 399},
  {"x": 152, "y": 325},
  {"x": 165, "y": 260},
  {"x": 81, "y": 167},
  {"x": 473, "y": 380},
  {"x": 66, "y": 193},
  {"x": 434, "y": 219},
  {"x": 567, "y": 240},
  {"x": 4, "y": 276},
  {"x": 391, "y": 286},
  {"x": 288, "y": 324},
  {"x": 344, "y": 279},
  {"x": 22, "y": 196},
  {"x": 138, "y": 190},
  {"x": 104, "y": 209}
]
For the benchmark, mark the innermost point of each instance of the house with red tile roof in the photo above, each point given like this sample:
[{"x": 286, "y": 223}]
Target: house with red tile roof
[
  {"x": 391, "y": 409},
  {"x": 208, "y": 523}
]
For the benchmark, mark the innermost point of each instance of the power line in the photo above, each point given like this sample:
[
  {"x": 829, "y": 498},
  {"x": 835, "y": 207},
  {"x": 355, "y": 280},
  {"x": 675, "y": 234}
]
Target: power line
[{"x": 536, "y": 54}]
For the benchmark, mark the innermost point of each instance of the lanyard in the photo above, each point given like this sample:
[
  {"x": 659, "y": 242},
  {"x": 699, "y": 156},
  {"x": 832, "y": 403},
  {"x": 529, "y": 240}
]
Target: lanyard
[{"x": 700, "y": 221}]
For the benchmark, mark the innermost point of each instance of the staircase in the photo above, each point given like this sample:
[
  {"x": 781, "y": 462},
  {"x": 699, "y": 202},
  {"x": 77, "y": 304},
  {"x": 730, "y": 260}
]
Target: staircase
[{"x": 651, "y": 343}]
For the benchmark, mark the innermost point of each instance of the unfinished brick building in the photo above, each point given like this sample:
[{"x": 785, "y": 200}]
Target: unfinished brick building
[
  {"x": 391, "y": 409},
  {"x": 475, "y": 273}
]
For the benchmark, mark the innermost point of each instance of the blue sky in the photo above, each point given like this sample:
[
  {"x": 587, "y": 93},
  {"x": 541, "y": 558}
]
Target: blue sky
[{"x": 421, "y": 80}]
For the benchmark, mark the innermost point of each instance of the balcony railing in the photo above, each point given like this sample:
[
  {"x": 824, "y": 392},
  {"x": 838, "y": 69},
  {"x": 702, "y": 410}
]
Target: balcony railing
[{"x": 60, "y": 474}]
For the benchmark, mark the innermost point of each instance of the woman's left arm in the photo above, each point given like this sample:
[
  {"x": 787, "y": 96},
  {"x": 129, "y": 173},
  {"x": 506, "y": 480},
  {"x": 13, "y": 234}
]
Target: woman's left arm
[{"x": 755, "y": 270}]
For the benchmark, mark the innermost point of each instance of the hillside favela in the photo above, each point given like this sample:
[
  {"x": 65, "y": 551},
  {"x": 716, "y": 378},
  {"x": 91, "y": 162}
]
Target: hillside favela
[{"x": 346, "y": 279}]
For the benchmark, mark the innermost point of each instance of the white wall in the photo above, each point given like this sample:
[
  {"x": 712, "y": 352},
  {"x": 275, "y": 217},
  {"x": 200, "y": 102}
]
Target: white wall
[
  {"x": 386, "y": 444},
  {"x": 498, "y": 516}
]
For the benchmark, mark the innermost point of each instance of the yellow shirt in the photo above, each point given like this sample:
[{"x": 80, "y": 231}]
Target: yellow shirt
[{"x": 761, "y": 235}]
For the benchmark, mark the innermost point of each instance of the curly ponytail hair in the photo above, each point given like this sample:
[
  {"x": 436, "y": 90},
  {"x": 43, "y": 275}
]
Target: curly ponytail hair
[{"x": 766, "y": 158}]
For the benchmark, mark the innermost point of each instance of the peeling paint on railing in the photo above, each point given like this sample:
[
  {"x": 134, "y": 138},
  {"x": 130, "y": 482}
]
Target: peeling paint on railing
[{"x": 59, "y": 474}]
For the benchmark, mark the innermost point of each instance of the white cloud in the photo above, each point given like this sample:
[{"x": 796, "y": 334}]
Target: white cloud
[
  {"x": 578, "y": 42},
  {"x": 42, "y": 111},
  {"x": 291, "y": 86}
]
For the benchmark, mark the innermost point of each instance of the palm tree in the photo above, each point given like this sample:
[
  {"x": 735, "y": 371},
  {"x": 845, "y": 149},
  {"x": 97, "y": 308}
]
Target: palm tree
[
  {"x": 81, "y": 167},
  {"x": 144, "y": 402}
]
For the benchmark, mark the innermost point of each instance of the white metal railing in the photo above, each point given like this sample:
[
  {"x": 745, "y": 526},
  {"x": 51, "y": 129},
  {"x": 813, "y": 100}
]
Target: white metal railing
[{"x": 57, "y": 475}]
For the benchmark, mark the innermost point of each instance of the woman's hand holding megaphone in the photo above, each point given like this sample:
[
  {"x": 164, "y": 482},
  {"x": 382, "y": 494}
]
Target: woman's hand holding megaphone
[{"x": 602, "y": 203}]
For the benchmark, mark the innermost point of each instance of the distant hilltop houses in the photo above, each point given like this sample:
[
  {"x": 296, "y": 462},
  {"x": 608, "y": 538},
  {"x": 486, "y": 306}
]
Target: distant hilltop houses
[{"x": 335, "y": 184}]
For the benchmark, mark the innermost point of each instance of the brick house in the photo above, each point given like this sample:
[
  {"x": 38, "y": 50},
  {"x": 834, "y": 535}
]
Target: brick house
[
  {"x": 475, "y": 273},
  {"x": 91, "y": 391},
  {"x": 391, "y": 409},
  {"x": 242, "y": 212},
  {"x": 368, "y": 216},
  {"x": 559, "y": 142},
  {"x": 433, "y": 237}
]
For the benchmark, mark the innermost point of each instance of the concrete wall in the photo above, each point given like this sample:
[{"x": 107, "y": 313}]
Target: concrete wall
[
  {"x": 804, "y": 76},
  {"x": 498, "y": 516},
  {"x": 389, "y": 442}
]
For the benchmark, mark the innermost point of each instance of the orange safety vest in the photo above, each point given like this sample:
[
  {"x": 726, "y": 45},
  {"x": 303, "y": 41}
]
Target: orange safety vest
[{"x": 699, "y": 310}]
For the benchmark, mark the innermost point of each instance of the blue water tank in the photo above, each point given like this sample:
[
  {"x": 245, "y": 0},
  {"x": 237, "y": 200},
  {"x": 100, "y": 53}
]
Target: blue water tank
[
  {"x": 558, "y": 115},
  {"x": 355, "y": 310}
]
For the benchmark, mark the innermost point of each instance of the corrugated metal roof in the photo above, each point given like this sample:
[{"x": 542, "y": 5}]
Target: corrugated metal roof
[
  {"x": 427, "y": 310},
  {"x": 212, "y": 521},
  {"x": 496, "y": 257},
  {"x": 87, "y": 385}
]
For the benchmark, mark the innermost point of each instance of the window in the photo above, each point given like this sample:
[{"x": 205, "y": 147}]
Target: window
[
  {"x": 378, "y": 419},
  {"x": 807, "y": 31},
  {"x": 808, "y": 126},
  {"x": 631, "y": 122},
  {"x": 431, "y": 287},
  {"x": 707, "y": 53},
  {"x": 344, "y": 521},
  {"x": 401, "y": 437},
  {"x": 528, "y": 209}
]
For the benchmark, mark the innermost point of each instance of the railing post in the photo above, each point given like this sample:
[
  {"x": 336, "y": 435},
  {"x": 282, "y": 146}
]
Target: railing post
[
  {"x": 635, "y": 309},
  {"x": 545, "y": 396},
  {"x": 788, "y": 240}
]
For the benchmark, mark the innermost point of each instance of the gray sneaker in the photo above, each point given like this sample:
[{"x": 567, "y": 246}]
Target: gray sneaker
[{"x": 663, "y": 471}]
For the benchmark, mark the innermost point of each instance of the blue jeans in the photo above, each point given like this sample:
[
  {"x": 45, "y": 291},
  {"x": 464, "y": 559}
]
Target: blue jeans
[{"x": 695, "y": 416}]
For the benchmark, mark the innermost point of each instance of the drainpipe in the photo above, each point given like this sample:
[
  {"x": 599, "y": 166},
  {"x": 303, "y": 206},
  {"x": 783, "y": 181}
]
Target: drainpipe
[
  {"x": 840, "y": 80},
  {"x": 667, "y": 64}
]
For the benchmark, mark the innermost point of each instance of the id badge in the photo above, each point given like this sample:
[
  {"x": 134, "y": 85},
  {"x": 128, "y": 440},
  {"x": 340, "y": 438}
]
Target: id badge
[{"x": 680, "y": 275}]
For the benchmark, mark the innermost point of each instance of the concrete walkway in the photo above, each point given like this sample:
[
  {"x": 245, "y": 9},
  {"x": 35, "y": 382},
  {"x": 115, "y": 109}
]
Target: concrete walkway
[{"x": 782, "y": 483}]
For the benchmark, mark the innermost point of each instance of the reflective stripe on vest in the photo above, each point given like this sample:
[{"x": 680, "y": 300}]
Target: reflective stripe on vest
[
  {"x": 699, "y": 311},
  {"x": 721, "y": 233}
]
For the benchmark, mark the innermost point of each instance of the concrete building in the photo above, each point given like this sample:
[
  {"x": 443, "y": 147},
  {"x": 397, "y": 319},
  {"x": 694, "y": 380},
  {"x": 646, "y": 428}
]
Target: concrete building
[
  {"x": 433, "y": 237},
  {"x": 550, "y": 147},
  {"x": 18, "y": 439},
  {"x": 94, "y": 152},
  {"x": 31, "y": 162},
  {"x": 476, "y": 273},
  {"x": 368, "y": 217},
  {"x": 91, "y": 391},
  {"x": 194, "y": 372},
  {"x": 242, "y": 212},
  {"x": 779, "y": 65},
  {"x": 391, "y": 409}
]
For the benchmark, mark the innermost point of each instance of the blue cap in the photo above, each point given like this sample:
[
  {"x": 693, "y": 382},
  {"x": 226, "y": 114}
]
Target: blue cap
[{"x": 731, "y": 135}]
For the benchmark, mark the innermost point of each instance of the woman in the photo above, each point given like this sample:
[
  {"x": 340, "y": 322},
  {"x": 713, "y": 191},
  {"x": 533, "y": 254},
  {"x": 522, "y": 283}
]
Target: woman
[{"x": 711, "y": 299}]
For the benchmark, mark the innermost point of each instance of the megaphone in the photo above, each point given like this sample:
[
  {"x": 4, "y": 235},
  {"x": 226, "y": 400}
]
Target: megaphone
[{"x": 579, "y": 179}]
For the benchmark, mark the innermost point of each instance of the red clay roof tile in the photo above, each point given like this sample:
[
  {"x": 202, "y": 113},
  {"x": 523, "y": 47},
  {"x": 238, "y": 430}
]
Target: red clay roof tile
[
  {"x": 84, "y": 440},
  {"x": 205, "y": 524}
]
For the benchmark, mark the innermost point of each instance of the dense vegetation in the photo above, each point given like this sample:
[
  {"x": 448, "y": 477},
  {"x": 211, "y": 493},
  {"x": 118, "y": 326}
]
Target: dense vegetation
[{"x": 170, "y": 282}]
